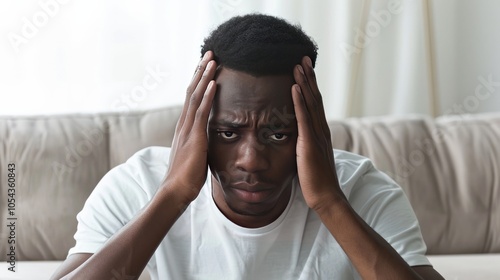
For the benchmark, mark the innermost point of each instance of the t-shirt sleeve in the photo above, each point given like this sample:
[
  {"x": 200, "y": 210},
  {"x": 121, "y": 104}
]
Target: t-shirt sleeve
[
  {"x": 384, "y": 206},
  {"x": 115, "y": 200}
]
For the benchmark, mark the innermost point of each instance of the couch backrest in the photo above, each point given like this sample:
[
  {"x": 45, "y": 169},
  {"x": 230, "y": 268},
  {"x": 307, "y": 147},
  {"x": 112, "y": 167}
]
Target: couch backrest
[
  {"x": 449, "y": 168},
  {"x": 59, "y": 160}
]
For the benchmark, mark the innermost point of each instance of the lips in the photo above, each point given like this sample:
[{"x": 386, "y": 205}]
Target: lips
[
  {"x": 252, "y": 193},
  {"x": 251, "y": 187}
]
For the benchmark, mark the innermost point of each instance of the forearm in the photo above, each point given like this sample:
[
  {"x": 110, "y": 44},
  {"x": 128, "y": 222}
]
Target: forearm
[
  {"x": 130, "y": 249},
  {"x": 372, "y": 256}
]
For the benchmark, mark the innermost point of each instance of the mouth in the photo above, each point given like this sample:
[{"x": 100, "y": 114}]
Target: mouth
[{"x": 252, "y": 193}]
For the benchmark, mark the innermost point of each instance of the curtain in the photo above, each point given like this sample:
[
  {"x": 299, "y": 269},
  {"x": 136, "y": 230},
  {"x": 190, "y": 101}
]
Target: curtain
[{"x": 376, "y": 57}]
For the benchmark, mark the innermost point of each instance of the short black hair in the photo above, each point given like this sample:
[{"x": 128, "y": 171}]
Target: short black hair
[{"x": 259, "y": 45}]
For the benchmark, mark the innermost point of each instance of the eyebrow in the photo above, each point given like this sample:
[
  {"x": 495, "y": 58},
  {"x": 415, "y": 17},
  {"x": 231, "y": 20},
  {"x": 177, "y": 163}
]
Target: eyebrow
[
  {"x": 232, "y": 124},
  {"x": 228, "y": 124}
]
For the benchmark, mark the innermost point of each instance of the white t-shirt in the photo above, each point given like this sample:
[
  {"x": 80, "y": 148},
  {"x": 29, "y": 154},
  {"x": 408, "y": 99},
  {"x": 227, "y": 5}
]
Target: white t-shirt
[{"x": 204, "y": 244}]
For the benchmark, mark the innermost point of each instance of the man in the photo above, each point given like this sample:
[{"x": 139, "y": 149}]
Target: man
[{"x": 251, "y": 188}]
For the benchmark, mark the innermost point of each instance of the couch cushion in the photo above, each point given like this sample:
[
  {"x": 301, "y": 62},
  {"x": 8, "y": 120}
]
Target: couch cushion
[
  {"x": 58, "y": 161},
  {"x": 129, "y": 133},
  {"x": 477, "y": 267}
]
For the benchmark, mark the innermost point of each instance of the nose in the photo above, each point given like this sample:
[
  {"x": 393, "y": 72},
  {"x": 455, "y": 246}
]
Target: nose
[{"x": 252, "y": 156}]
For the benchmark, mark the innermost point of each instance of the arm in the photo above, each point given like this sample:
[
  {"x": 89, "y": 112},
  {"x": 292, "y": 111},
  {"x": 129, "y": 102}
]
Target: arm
[
  {"x": 129, "y": 250},
  {"x": 372, "y": 256}
]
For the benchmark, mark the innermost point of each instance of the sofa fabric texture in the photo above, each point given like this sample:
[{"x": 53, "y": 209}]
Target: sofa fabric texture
[{"x": 449, "y": 168}]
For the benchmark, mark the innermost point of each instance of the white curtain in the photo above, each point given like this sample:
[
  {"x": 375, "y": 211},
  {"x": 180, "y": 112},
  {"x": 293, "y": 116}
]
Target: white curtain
[{"x": 376, "y": 57}]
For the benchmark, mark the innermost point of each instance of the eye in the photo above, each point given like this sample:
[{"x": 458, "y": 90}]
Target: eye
[
  {"x": 278, "y": 137},
  {"x": 227, "y": 135}
]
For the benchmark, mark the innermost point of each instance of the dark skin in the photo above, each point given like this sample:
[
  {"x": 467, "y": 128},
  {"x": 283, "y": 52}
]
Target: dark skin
[
  {"x": 246, "y": 192},
  {"x": 252, "y": 150}
]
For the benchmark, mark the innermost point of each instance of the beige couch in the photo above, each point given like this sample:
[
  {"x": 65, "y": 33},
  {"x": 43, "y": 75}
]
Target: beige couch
[{"x": 449, "y": 168}]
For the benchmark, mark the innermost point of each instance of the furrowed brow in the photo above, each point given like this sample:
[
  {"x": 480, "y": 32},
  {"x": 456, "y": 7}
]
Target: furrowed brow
[
  {"x": 230, "y": 124},
  {"x": 236, "y": 125}
]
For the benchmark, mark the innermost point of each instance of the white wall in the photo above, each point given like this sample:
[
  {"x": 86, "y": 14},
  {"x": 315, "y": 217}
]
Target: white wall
[
  {"x": 95, "y": 56},
  {"x": 467, "y": 40}
]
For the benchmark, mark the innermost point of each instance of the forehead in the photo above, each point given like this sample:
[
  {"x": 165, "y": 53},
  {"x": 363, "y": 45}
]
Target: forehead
[{"x": 239, "y": 93}]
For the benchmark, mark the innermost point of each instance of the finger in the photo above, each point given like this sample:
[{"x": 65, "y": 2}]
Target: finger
[
  {"x": 192, "y": 86},
  {"x": 197, "y": 96},
  {"x": 301, "y": 113},
  {"x": 313, "y": 85},
  {"x": 311, "y": 75},
  {"x": 203, "y": 112},
  {"x": 310, "y": 102},
  {"x": 202, "y": 64}
]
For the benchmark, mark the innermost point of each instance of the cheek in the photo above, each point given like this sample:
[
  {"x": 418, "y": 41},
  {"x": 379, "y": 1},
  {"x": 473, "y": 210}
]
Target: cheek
[
  {"x": 291, "y": 161},
  {"x": 287, "y": 161},
  {"x": 218, "y": 158},
  {"x": 214, "y": 154}
]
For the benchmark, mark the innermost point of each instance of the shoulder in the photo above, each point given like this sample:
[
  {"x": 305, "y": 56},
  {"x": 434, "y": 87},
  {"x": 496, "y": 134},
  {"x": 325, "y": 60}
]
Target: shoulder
[
  {"x": 146, "y": 167},
  {"x": 382, "y": 204},
  {"x": 136, "y": 180},
  {"x": 150, "y": 156},
  {"x": 363, "y": 184},
  {"x": 352, "y": 169},
  {"x": 118, "y": 196},
  {"x": 351, "y": 163}
]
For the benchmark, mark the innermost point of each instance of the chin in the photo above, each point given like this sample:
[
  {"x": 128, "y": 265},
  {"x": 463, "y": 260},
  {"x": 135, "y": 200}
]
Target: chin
[
  {"x": 251, "y": 210},
  {"x": 248, "y": 205}
]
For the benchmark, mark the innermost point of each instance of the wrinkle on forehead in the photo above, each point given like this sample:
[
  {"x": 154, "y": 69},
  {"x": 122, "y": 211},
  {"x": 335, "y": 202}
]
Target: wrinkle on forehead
[
  {"x": 247, "y": 118},
  {"x": 245, "y": 98},
  {"x": 273, "y": 119}
]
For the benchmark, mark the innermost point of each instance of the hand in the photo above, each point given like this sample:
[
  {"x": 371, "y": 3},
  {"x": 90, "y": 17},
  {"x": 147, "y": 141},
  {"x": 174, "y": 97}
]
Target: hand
[
  {"x": 369, "y": 252},
  {"x": 188, "y": 158},
  {"x": 315, "y": 161}
]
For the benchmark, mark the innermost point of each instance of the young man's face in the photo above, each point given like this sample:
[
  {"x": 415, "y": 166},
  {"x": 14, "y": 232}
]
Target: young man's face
[{"x": 252, "y": 141}]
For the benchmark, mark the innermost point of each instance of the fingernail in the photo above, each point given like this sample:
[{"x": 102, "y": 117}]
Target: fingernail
[
  {"x": 297, "y": 87},
  {"x": 301, "y": 70},
  {"x": 309, "y": 62}
]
